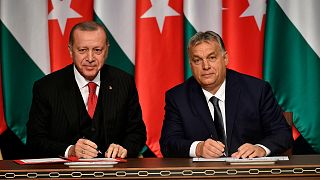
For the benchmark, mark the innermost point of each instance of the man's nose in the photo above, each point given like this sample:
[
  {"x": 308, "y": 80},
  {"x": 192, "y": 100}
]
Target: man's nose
[
  {"x": 90, "y": 56},
  {"x": 206, "y": 64}
]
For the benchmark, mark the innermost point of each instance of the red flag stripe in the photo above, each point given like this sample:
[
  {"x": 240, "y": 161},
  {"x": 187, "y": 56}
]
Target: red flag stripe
[
  {"x": 243, "y": 39},
  {"x": 159, "y": 65}
]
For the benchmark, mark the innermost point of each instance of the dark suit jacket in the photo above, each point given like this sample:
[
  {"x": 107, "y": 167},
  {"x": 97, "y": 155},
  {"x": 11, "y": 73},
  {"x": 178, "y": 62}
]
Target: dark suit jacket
[
  {"x": 252, "y": 116},
  {"x": 58, "y": 111}
]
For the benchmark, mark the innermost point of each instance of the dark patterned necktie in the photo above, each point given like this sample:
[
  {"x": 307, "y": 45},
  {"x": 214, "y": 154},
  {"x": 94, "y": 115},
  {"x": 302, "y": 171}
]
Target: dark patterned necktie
[{"x": 218, "y": 122}]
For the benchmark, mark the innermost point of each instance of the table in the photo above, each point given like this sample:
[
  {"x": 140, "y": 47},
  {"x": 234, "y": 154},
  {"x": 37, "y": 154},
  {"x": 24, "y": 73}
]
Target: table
[{"x": 298, "y": 167}]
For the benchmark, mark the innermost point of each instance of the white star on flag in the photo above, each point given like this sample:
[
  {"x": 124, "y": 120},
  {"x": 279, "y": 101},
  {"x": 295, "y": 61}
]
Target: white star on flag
[
  {"x": 257, "y": 8},
  {"x": 62, "y": 11},
  {"x": 160, "y": 9}
]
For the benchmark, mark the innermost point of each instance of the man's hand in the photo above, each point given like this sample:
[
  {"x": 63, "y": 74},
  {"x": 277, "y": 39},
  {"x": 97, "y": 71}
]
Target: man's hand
[
  {"x": 115, "y": 150},
  {"x": 249, "y": 151},
  {"x": 210, "y": 149},
  {"x": 84, "y": 148}
]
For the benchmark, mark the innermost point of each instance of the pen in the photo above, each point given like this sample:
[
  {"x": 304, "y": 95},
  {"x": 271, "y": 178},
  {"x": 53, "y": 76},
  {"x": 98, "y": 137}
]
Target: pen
[
  {"x": 99, "y": 152},
  {"x": 224, "y": 152}
]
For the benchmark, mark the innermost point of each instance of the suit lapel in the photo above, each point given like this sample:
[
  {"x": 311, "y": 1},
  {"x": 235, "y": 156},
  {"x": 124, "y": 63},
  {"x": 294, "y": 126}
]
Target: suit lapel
[
  {"x": 70, "y": 95},
  {"x": 232, "y": 102},
  {"x": 107, "y": 97},
  {"x": 200, "y": 106}
]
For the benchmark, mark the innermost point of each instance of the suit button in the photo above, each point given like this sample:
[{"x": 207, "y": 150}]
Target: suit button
[{"x": 93, "y": 129}]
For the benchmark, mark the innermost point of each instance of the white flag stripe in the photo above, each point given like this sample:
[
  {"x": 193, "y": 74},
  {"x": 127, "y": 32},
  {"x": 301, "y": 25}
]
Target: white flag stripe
[
  {"x": 304, "y": 15},
  {"x": 33, "y": 39},
  {"x": 205, "y": 15},
  {"x": 119, "y": 17}
]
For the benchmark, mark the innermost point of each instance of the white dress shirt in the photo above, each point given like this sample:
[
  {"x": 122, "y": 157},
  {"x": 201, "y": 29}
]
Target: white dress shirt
[
  {"x": 220, "y": 94},
  {"x": 84, "y": 90}
]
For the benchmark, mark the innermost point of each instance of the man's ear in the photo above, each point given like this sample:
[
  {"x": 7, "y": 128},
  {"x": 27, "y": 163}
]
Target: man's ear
[
  {"x": 70, "y": 50},
  {"x": 107, "y": 51},
  {"x": 226, "y": 58}
]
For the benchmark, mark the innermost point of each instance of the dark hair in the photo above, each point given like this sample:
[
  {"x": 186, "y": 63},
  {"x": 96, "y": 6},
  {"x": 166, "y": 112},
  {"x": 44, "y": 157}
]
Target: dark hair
[
  {"x": 87, "y": 26},
  {"x": 205, "y": 37}
]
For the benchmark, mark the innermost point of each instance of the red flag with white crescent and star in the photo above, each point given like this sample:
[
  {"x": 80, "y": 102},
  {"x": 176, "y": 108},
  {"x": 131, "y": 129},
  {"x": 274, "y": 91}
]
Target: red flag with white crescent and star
[
  {"x": 62, "y": 16},
  {"x": 159, "y": 60},
  {"x": 243, "y": 23}
]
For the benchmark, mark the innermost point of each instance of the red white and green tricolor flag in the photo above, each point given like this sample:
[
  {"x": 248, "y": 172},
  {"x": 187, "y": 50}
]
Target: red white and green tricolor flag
[
  {"x": 148, "y": 39},
  {"x": 292, "y": 62}
]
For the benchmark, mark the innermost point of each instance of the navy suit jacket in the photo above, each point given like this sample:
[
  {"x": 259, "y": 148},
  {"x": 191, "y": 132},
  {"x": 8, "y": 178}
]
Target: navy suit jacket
[
  {"x": 252, "y": 116},
  {"x": 58, "y": 111}
]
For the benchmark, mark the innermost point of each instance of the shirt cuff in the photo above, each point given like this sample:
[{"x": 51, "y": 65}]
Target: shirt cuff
[
  {"x": 66, "y": 152},
  {"x": 193, "y": 147},
  {"x": 265, "y": 148}
]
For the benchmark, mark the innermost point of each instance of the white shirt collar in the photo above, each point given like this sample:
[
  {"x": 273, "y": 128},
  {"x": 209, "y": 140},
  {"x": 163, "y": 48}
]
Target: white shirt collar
[
  {"x": 81, "y": 81},
  {"x": 220, "y": 94}
]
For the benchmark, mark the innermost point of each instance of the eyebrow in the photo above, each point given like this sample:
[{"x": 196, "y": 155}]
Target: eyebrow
[{"x": 210, "y": 54}]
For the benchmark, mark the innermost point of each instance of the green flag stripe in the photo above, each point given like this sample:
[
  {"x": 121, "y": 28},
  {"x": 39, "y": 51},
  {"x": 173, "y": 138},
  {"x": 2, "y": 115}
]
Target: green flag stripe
[
  {"x": 293, "y": 69},
  {"x": 116, "y": 56},
  {"x": 18, "y": 75},
  {"x": 189, "y": 31}
]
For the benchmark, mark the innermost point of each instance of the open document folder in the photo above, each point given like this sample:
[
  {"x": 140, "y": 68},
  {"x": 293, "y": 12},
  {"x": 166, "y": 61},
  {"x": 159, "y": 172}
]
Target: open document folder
[{"x": 235, "y": 161}]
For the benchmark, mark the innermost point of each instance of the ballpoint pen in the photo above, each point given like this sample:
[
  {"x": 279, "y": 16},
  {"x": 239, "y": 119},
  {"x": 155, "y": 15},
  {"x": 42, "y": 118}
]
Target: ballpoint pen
[
  {"x": 224, "y": 153},
  {"x": 99, "y": 152}
]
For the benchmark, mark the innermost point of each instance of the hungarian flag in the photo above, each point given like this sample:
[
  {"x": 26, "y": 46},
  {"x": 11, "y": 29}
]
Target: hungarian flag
[
  {"x": 24, "y": 57},
  {"x": 292, "y": 62}
]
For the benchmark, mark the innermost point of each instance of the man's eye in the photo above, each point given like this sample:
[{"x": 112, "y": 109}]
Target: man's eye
[
  {"x": 97, "y": 51},
  {"x": 212, "y": 58},
  {"x": 81, "y": 50},
  {"x": 196, "y": 61}
]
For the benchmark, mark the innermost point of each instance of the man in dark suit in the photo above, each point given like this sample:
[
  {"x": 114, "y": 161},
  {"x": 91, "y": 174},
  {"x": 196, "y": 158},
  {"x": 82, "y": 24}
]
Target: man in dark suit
[
  {"x": 219, "y": 112},
  {"x": 66, "y": 120}
]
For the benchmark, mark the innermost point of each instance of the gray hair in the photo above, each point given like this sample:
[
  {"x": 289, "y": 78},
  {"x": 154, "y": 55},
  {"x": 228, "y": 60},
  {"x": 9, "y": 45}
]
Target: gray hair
[
  {"x": 207, "y": 36},
  {"x": 87, "y": 26}
]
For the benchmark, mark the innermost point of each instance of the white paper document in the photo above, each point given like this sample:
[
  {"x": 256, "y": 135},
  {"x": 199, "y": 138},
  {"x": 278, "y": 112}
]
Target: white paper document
[
  {"x": 93, "y": 164},
  {"x": 231, "y": 159}
]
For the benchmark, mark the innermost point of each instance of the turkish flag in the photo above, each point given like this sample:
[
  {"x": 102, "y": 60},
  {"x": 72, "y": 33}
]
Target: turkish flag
[
  {"x": 159, "y": 60},
  {"x": 72, "y": 12},
  {"x": 243, "y": 34}
]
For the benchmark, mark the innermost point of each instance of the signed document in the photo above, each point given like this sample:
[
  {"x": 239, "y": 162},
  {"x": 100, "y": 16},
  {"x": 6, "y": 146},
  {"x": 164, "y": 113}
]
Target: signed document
[{"x": 235, "y": 161}]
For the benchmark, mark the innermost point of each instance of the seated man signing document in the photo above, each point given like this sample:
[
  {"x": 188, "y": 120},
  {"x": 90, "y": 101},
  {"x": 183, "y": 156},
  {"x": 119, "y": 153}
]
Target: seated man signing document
[
  {"x": 86, "y": 108},
  {"x": 220, "y": 112}
]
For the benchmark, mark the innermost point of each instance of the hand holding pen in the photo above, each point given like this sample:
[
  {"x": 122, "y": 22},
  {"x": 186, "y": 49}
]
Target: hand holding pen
[
  {"x": 210, "y": 148},
  {"x": 84, "y": 148}
]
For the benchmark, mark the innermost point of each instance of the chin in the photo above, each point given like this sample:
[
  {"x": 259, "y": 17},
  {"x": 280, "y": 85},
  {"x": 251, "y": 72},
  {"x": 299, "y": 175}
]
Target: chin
[{"x": 90, "y": 76}]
